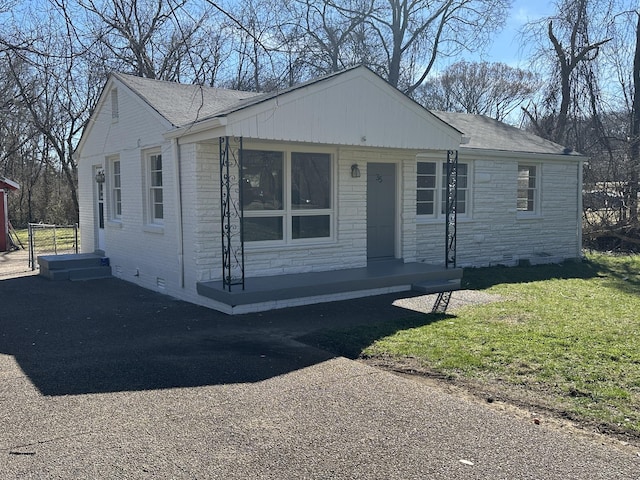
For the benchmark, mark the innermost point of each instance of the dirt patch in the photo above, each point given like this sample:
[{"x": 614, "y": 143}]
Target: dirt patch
[
  {"x": 459, "y": 299},
  {"x": 520, "y": 401},
  {"x": 15, "y": 264}
]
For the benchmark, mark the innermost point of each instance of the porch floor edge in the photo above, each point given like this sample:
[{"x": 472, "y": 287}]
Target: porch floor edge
[{"x": 376, "y": 275}]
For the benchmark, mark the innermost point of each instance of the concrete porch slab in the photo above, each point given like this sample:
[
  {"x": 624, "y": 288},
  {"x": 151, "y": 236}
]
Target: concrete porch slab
[{"x": 314, "y": 287}]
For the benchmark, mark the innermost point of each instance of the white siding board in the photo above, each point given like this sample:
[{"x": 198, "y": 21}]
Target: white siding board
[{"x": 357, "y": 108}]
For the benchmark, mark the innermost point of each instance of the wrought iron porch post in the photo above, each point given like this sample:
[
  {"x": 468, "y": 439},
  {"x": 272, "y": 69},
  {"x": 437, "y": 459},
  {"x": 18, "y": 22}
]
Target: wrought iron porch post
[
  {"x": 451, "y": 224},
  {"x": 231, "y": 212},
  {"x": 451, "y": 209}
]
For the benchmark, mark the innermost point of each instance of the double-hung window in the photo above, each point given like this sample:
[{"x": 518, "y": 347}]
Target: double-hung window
[
  {"x": 432, "y": 179},
  {"x": 287, "y": 196},
  {"x": 155, "y": 199},
  {"x": 528, "y": 189},
  {"x": 116, "y": 190}
]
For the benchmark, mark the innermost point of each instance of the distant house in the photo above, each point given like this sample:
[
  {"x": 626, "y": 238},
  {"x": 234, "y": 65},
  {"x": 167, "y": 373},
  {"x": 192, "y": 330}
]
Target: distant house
[
  {"x": 332, "y": 189},
  {"x": 6, "y": 186}
]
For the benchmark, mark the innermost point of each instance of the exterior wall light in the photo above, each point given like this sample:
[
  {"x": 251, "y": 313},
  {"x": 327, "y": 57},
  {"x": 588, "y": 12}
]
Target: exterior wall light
[
  {"x": 100, "y": 178},
  {"x": 355, "y": 171}
]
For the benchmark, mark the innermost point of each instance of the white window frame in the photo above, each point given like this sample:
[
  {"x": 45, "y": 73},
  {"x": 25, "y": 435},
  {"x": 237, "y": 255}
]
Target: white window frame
[
  {"x": 288, "y": 212},
  {"x": 116, "y": 188},
  {"x": 536, "y": 190},
  {"x": 440, "y": 190},
  {"x": 149, "y": 200}
]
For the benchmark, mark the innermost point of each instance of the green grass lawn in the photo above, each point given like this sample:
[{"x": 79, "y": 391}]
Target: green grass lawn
[
  {"x": 567, "y": 335},
  {"x": 63, "y": 239}
]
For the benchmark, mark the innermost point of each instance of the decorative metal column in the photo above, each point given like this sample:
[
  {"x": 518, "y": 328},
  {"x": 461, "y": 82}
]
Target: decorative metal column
[
  {"x": 231, "y": 212},
  {"x": 451, "y": 224}
]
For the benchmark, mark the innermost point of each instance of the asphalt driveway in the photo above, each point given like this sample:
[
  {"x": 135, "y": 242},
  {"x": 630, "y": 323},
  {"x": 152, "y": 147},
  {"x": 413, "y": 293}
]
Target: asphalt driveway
[{"x": 102, "y": 379}]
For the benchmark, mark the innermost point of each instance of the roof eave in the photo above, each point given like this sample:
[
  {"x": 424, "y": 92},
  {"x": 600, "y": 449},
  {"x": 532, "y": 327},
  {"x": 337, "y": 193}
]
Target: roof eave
[
  {"x": 523, "y": 155},
  {"x": 10, "y": 183},
  {"x": 196, "y": 127}
]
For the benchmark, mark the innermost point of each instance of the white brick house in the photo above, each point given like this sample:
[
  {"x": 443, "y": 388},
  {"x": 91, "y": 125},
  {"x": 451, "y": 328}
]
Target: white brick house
[{"x": 337, "y": 174}]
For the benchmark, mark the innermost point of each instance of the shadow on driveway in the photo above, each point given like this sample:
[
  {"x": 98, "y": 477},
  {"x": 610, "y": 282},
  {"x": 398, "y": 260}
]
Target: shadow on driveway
[{"x": 110, "y": 335}]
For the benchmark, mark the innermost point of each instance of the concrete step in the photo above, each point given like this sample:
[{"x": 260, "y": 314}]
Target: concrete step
[
  {"x": 76, "y": 274},
  {"x": 82, "y": 266},
  {"x": 437, "y": 286}
]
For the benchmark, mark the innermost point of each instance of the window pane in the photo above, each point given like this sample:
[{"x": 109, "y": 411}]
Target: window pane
[
  {"x": 462, "y": 202},
  {"x": 156, "y": 162},
  {"x": 462, "y": 185},
  {"x": 117, "y": 194},
  {"x": 158, "y": 211},
  {"x": 156, "y": 179},
  {"x": 526, "y": 200},
  {"x": 263, "y": 180},
  {"x": 258, "y": 229},
  {"x": 426, "y": 184},
  {"x": 311, "y": 226},
  {"x": 426, "y": 203},
  {"x": 426, "y": 168},
  {"x": 310, "y": 180},
  {"x": 425, "y": 195},
  {"x": 425, "y": 181},
  {"x": 116, "y": 191},
  {"x": 425, "y": 209},
  {"x": 462, "y": 175}
]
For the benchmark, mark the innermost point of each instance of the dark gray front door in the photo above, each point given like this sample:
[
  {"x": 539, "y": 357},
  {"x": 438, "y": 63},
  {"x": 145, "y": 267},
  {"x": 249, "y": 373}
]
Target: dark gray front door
[{"x": 381, "y": 210}]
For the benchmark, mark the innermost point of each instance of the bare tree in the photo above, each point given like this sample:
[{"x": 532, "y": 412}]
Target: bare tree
[
  {"x": 569, "y": 34},
  {"x": 332, "y": 35},
  {"x": 147, "y": 38},
  {"x": 56, "y": 89},
  {"x": 592, "y": 52},
  {"x": 413, "y": 34},
  {"x": 492, "y": 89}
]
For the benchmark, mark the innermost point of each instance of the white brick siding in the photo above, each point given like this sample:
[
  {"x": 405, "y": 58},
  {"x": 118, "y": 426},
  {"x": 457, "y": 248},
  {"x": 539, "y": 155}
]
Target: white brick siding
[
  {"x": 174, "y": 258},
  {"x": 495, "y": 233},
  {"x": 146, "y": 256}
]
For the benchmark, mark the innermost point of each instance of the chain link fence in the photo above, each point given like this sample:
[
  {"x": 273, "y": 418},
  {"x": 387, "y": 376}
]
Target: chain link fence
[{"x": 51, "y": 240}]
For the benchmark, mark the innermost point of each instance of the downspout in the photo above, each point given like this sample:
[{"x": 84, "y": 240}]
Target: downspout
[
  {"x": 178, "y": 173},
  {"x": 580, "y": 207}
]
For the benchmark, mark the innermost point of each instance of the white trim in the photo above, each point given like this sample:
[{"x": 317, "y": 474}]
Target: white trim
[
  {"x": 175, "y": 150},
  {"x": 156, "y": 225},
  {"x": 196, "y": 128},
  {"x": 110, "y": 190},
  {"x": 11, "y": 183},
  {"x": 537, "y": 201},
  {"x": 438, "y": 216}
]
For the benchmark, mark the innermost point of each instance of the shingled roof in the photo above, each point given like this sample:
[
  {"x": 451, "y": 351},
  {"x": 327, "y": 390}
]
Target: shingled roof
[
  {"x": 183, "y": 104},
  {"x": 486, "y": 133}
]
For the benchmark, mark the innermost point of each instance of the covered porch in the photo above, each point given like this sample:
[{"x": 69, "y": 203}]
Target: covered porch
[{"x": 378, "y": 277}]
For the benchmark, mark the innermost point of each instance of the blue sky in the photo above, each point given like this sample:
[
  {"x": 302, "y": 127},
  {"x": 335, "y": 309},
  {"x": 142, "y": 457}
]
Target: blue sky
[{"x": 506, "y": 47}]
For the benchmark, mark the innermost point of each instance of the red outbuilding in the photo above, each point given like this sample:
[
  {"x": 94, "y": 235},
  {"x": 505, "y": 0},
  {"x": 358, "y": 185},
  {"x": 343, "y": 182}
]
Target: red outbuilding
[{"x": 6, "y": 186}]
